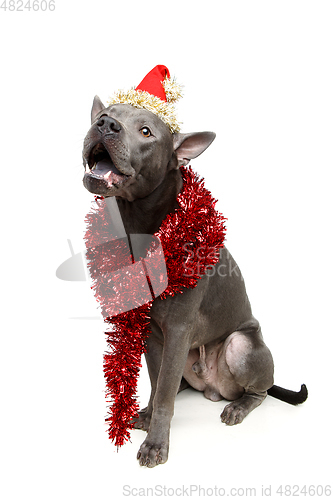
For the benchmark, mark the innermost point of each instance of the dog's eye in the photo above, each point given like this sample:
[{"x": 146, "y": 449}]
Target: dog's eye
[{"x": 145, "y": 132}]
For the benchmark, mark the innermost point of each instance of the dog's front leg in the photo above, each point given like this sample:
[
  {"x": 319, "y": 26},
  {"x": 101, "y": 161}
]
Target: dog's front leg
[
  {"x": 154, "y": 449},
  {"x": 154, "y": 360}
]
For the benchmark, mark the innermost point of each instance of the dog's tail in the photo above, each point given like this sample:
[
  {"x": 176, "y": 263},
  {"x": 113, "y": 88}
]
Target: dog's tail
[{"x": 291, "y": 397}]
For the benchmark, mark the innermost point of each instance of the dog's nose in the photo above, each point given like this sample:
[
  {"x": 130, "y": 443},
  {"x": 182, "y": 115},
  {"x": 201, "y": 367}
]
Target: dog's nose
[{"x": 108, "y": 125}]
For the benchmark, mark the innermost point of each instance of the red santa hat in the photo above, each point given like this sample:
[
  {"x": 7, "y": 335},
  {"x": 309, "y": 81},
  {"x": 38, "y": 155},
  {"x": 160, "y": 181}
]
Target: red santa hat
[{"x": 157, "y": 93}]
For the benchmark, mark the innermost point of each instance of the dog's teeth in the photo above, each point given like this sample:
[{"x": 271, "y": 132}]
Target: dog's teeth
[{"x": 106, "y": 176}]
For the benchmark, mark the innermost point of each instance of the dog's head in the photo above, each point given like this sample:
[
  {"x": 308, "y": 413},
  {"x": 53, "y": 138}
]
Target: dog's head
[{"x": 128, "y": 151}]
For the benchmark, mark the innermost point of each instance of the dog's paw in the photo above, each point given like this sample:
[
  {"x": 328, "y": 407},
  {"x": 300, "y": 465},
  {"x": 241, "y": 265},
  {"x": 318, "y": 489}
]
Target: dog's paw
[
  {"x": 143, "y": 420},
  {"x": 234, "y": 413},
  {"x": 151, "y": 454}
]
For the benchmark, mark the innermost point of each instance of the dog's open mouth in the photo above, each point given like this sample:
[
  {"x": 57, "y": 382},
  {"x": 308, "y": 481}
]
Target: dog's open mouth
[{"x": 100, "y": 166}]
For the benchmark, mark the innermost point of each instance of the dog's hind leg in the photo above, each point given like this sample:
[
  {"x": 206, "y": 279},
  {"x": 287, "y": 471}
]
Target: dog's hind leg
[{"x": 250, "y": 366}]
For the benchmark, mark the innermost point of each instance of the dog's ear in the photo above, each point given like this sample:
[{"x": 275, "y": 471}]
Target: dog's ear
[
  {"x": 97, "y": 107},
  {"x": 189, "y": 146}
]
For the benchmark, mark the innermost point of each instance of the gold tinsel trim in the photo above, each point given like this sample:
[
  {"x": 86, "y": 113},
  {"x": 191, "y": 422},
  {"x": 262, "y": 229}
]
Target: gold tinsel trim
[
  {"x": 172, "y": 89},
  {"x": 143, "y": 100}
]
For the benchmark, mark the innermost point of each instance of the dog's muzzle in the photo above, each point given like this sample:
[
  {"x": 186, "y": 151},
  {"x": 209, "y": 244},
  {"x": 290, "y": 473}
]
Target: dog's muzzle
[{"x": 106, "y": 167}]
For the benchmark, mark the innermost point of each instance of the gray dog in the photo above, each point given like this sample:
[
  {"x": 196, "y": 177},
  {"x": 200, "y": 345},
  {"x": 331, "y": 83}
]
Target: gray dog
[{"x": 206, "y": 337}]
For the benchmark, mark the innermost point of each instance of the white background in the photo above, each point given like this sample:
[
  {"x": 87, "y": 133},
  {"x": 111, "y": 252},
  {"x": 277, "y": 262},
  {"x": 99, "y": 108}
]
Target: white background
[{"x": 259, "y": 74}]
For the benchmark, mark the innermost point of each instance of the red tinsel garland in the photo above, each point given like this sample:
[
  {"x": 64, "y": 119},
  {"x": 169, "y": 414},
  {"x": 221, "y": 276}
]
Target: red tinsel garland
[{"x": 191, "y": 237}]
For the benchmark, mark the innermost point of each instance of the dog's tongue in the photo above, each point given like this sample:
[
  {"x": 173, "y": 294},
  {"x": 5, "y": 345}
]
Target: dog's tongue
[{"x": 107, "y": 170}]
